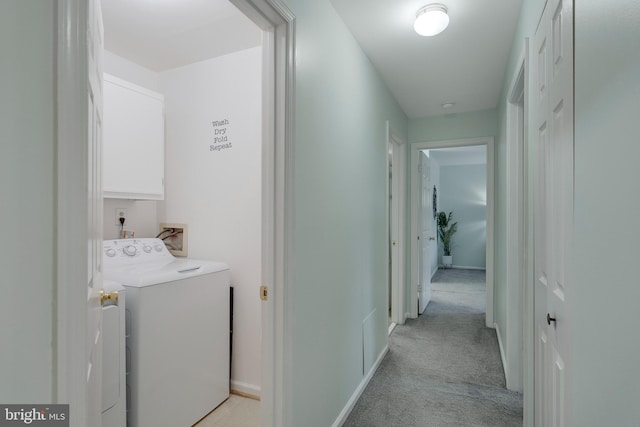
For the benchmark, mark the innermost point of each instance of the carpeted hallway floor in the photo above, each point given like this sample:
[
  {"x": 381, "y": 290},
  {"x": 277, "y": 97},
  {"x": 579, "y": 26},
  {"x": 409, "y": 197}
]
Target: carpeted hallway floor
[{"x": 444, "y": 368}]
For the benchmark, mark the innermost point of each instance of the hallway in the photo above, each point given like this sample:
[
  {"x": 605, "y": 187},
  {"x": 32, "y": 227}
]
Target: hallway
[{"x": 444, "y": 368}]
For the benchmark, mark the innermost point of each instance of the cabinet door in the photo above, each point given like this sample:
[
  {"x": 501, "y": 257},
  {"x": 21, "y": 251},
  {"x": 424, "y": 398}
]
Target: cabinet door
[{"x": 133, "y": 141}]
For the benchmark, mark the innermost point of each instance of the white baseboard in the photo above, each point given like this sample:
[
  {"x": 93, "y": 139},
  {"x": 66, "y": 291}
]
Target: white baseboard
[
  {"x": 463, "y": 267},
  {"x": 502, "y": 355},
  {"x": 392, "y": 326},
  {"x": 344, "y": 414},
  {"x": 244, "y": 388},
  {"x": 434, "y": 272}
]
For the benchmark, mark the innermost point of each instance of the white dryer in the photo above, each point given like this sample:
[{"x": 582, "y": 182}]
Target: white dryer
[{"x": 177, "y": 332}]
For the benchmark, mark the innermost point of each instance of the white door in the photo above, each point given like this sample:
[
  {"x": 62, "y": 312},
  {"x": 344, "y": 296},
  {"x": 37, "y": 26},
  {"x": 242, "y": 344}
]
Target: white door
[
  {"x": 553, "y": 121},
  {"x": 425, "y": 218},
  {"x": 94, "y": 214}
]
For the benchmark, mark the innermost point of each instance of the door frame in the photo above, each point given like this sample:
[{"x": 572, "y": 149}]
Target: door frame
[
  {"x": 397, "y": 221},
  {"x": 420, "y": 243},
  {"x": 517, "y": 227},
  {"x": 278, "y": 25},
  {"x": 414, "y": 233},
  {"x": 70, "y": 294},
  {"x": 279, "y": 29}
]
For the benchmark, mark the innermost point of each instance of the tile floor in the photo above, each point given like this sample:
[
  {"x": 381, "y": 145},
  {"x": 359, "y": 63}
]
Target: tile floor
[{"x": 237, "y": 411}]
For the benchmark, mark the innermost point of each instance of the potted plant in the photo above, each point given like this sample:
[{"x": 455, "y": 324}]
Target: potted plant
[{"x": 446, "y": 230}]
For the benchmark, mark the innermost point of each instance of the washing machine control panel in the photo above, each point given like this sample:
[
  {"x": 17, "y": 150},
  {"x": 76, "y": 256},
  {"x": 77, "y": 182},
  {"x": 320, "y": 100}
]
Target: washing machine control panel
[{"x": 125, "y": 251}]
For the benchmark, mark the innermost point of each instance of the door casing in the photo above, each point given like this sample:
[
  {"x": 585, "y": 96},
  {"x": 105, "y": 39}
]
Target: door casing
[
  {"x": 278, "y": 25},
  {"x": 397, "y": 222},
  {"x": 414, "y": 199},
  {"x": 517, "y": 253},
  {"x": 424, "y": 257}
]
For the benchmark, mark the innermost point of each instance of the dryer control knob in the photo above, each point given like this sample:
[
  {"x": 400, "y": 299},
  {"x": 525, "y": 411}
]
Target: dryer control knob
[
  {"x": 158, "y": 248},
  {"x": 130, "y": 250},
  {"x": 110, "y": 252},
  {"x": 146, "y": 248}
]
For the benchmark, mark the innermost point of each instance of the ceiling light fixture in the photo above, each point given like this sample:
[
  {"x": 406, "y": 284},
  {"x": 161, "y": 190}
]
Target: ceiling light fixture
[
  {"x": 431, "y": 19},
  {"x": 447, "y": 105}
]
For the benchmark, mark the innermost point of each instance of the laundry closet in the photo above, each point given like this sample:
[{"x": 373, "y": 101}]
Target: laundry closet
[{"x": 207, "y": 74}]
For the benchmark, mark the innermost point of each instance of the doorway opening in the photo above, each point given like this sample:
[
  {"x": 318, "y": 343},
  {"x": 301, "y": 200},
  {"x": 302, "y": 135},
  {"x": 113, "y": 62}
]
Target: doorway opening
[
  {"x": 423, "y": 223},
  {"x": 278, "y": 39},
  {"x": 209, "y": 138},
  {"x": 224, "y": 101}
]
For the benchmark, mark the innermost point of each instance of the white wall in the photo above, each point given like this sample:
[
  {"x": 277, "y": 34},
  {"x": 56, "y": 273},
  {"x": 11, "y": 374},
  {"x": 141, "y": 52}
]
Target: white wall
[
  {"x": 141, "y": 214},
  {"x": 464, "y": 191},
  {"x": 125, "y": 69},
  {"x": 142, "y": 218},
  {"x": 27, "y": 186},
  {"x": 215, "y": 187}
]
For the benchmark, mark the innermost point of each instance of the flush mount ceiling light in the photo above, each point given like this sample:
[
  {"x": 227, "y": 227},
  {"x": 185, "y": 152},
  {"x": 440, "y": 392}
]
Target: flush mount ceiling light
[{"x": 431, "y": 19}]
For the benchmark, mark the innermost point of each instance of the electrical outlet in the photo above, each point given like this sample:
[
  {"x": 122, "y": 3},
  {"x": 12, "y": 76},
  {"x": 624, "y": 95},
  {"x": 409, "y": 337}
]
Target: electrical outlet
[{"x": 120, "y": 213}]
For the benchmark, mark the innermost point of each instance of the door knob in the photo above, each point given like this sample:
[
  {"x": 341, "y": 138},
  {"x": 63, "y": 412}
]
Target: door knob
[
  {"x": 550, "y": 319},
  {"x": 111, "y": 296},
  {"x": 393, "y": 243},
  {"x": 432, "y": 238}
]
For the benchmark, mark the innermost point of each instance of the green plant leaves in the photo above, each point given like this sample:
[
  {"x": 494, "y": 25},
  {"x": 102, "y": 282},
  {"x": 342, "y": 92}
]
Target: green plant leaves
[{"x": 446, "y": 230}]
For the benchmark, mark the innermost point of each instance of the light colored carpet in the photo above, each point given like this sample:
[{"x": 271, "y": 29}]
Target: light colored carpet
[{"x": 444, "y": 368}]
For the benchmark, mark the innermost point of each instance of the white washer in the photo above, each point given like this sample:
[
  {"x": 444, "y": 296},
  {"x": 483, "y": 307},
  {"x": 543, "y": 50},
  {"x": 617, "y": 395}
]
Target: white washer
[
  {"x": 113, "y": 358},
  {"x": 177, "y": 332}
]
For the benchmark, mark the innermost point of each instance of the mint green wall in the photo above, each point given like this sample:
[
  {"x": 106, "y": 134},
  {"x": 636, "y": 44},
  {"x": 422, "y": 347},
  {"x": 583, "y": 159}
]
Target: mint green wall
[
  {"x": 463, "y": 190},
  {"x": 27, "y": 171},
  {"x": 340, "y": 217},
  {"x": 606, "y": 297},
  {"x": 454, "y": 126},
  {"x": 605, "y": 294}
]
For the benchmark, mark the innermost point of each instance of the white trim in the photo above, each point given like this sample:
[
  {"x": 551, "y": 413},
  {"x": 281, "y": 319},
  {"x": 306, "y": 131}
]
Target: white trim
[
  {"x": 435, "y": 271},
  {"x": 344, "y": 414},
  {"x": 414, "y": 197},
  {"x": 516, "y": 226},
  {"x": 278, "y": 24},
  {"x": 490, "y": 254},
  {"x": 528, "y": 260},
  {"x": 462, "y": 267},
  {"x": 70, "y": 300},
  {"x": 399, "y": 203},
  {"x": 392, "y": 326},
  {"x": 502, "y": 356},
  {"x": 245, "y": 388}
]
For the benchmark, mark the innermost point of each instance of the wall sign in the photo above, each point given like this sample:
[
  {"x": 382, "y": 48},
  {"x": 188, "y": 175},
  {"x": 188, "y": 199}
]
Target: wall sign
[{"x": 221, "y": 140}]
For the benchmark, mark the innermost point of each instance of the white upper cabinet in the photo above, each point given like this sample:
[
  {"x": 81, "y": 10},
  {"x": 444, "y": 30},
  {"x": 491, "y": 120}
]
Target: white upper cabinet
[{"x": 133, "y": 150}]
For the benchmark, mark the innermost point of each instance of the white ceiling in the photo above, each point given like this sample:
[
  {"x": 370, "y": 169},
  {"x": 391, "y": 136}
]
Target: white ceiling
[
  {"x": 465, "y": 64},
  {"x": 165, "y": 34}
]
